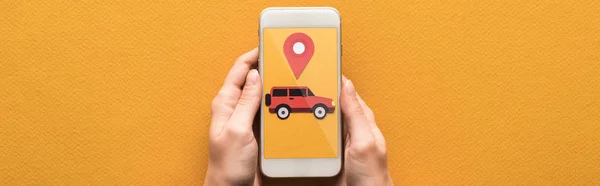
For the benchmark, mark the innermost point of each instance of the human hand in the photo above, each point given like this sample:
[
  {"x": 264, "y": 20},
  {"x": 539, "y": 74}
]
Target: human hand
[
  {"x": 233, "y": 151},
  {"x": 365, "y": 155}
]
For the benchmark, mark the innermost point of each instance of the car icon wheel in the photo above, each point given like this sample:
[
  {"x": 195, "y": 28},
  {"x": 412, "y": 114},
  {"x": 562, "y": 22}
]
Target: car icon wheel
[
  {"x": 320, "y": 111},
  {"x": 283, "y": 111}
]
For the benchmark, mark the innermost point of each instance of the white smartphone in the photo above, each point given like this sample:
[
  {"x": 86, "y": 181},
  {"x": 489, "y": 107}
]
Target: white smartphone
[{"x": 300, "y": 65}]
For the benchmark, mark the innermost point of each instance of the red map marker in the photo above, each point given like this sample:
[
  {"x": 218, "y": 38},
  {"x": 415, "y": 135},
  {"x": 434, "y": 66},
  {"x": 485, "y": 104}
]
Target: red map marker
[{"x": 298, "y": 49}]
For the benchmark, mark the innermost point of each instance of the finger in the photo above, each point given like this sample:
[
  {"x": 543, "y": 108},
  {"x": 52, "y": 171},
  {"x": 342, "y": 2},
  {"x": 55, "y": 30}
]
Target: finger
[
  {"x": 354, "y": 116},
  {"x": 345, "y": 128},
  {"x": 371, "y": 119},
  {"x": 247, "y": 106},
  {"x": 368, "y": 112},
  {"x": 229, "y": 94},
  {"x": 241, "y": 67},
  {"x": 344, "y": 79}
]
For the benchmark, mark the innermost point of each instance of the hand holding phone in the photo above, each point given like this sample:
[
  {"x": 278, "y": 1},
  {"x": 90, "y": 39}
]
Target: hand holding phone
[
  {"x": 365, "y": 153},
  {"x": 233, "y": 151}
]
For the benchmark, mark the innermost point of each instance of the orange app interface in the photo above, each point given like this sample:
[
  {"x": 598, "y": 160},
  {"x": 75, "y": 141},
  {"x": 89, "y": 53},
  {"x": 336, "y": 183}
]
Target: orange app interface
[{"x": 300, "y": 71}]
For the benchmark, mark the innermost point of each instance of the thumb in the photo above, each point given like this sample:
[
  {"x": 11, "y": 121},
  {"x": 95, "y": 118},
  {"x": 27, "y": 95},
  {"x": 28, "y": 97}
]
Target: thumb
[
  {"x": 354, "y": 116},
  {"x": 249, "y": 101}
]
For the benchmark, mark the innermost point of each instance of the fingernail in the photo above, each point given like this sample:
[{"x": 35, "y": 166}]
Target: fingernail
[
  {"x": 350, "y": 88},
  {"x": 253, "y": 77}
]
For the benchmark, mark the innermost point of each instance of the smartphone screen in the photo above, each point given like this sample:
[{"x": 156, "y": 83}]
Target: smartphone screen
[{"x": 301, "y": 110}]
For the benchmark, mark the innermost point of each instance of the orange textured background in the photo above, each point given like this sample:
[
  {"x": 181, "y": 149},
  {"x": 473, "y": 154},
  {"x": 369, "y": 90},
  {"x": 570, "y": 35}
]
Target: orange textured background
[{"x": 466, "y": 92}]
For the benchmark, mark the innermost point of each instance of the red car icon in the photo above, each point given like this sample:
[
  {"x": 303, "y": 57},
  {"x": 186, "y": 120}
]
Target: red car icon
[{"x": 284, "y": 100}]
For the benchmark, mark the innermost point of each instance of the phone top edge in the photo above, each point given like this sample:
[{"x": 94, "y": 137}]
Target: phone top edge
[
  {"x": 262, "y": 13},
  {"x": 299, "y": 17}
]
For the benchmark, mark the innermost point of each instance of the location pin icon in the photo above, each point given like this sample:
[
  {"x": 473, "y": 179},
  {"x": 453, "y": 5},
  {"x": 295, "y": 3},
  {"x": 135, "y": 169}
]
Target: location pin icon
[{"x": 298, "y": 49}]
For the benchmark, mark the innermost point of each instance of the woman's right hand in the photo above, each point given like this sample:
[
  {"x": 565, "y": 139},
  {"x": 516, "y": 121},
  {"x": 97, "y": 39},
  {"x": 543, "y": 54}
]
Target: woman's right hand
[{"x": 366, "y": 155}]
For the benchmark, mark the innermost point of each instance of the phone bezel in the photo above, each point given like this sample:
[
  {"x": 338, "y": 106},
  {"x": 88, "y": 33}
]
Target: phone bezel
[{"x": 299, "y": 17}]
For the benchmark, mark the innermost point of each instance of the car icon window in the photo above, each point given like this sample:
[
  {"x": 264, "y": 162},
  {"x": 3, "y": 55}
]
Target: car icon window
[
  {"x": 303, "y": 92},
  {"x": 297, "y": 92},
  {"x": 310, "y": 93},
  {"x": 279, "y": 92}
]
